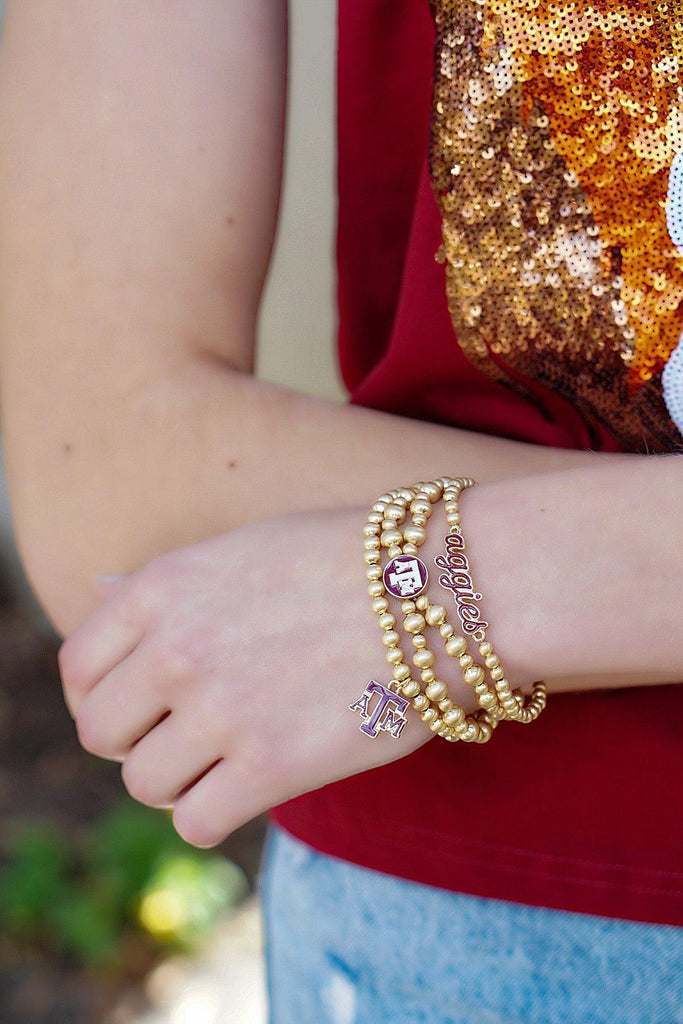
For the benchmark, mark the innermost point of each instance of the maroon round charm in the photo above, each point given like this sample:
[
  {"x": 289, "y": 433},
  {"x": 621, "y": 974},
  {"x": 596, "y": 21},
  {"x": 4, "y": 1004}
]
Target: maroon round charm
[{"x": 405, "y": 576}]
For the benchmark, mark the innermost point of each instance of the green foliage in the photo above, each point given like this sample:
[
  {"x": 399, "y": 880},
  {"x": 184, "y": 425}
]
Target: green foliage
[
  {"x": 129, "y": 875},
  {"x": 34, "y": 879}
]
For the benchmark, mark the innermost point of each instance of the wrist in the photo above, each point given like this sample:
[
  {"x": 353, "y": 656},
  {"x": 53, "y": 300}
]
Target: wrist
[{"x": 578, "y": 577}]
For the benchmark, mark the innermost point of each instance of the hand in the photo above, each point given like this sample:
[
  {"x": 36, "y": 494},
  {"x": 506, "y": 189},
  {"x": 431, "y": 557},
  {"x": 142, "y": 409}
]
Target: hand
[{"x": 220, "y": 675}]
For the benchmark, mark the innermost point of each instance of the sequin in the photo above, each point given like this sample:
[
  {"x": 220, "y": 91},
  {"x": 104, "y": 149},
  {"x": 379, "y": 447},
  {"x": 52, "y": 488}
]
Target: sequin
[{"x": 562, "y": 223}]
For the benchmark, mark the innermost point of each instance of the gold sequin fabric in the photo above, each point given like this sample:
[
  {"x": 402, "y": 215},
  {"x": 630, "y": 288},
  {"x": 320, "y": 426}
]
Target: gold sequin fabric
[{"x": 557, "y": 134}]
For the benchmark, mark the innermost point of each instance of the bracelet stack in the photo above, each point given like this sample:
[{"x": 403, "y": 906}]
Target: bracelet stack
[{"x": 397, "y": 525}]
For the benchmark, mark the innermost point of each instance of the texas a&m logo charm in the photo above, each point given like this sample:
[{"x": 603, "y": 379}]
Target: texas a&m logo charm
[
  {"x": 387, "y": 714},
  {"x": 405, "y": 577}
]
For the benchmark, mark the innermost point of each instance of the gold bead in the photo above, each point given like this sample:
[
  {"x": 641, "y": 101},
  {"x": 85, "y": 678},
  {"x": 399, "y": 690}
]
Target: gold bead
[
  {"x": 446, "y": 630},
  {"x": 387, "y": 621},
  {"x": 453, "y": 518},
  {"x": 485, "y": 733},
  {"x": 471, "y": 734},
  {"x": 427, "y": 675},
  {"x": 446, "y": 704},
  {"x": 410, "y": 689},
  {"x": 419, "y": 642},
  {"x": 395, "y": 551},
  {"x": 473, "y": 675},
  {"x": 407, "y": 607},
  {"x": 428, "y": 715},
  {"x": 455, "y": 716},
  {"x": 410, "y": 549},
  {"x": 421, "y": 507},
  {"x": 374, "y": 572},
  {"x": 419, "y": 520},
  {"x": 415, "y": 535},
  {"x": 371, "y": 557},
  {"x": 485, "y": 649},
  {"x": 492, "y": 661},
  {"x": 384, "y": 500},
  {"x": 466, "y": 661},
  {"x": 436, "y": 725},
  {"x": 450, "y": 505},
  {"x": 423, "y": 659},
  {"x": 390, "y": 537},
  {"x": 406, "y": 495},
  {"x": 376, "y": 589},
  {"x": 420, "y": 702},
  {"x": 380, "y": 605},
  {"x": 433, "y": 489},
  {"x": 487, "y": 700},
  {"x": 497, "y": 673},
  {"x": 435, "y": 615},
  {"x": 456, "y": 646},
  {"x": 391, "y": 638},
  {"x": 395, "y": 656},
  {"x": 414, "y": 623},
  {"x": 395, "y": 512},
  {"x": 371, "y": 544},
  {"x": 371, "y": 530},
  {"x": 437, "y": 690},
  {"x": 401, "y": 673}
]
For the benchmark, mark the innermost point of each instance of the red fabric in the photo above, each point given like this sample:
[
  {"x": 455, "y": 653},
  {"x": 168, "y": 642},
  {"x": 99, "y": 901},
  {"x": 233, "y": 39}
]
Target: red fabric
[{"x": 587, "y": 814}]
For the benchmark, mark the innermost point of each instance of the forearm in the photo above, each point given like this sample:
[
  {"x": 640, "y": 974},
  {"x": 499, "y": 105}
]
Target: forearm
[{"x": 198, "y": 451}]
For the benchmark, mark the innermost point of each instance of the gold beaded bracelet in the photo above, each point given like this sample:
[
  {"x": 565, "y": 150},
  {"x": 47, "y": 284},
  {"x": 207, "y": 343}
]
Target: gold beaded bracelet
[{"x": 405, "y": 578}]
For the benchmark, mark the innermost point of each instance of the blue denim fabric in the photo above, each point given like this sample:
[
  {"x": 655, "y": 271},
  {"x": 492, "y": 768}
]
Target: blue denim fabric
[{"x": 351, "y": 946}]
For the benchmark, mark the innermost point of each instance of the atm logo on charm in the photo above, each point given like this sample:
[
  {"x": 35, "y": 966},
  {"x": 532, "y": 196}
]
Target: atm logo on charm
[
  {"x": 388, "y": 713},
  {"x": 405, "y": 576}
]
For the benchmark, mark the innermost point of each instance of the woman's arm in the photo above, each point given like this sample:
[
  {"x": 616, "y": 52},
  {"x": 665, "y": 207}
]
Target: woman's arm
[
  {"x": 221, "y": 675},
  {"x": 139, "y": 176}
]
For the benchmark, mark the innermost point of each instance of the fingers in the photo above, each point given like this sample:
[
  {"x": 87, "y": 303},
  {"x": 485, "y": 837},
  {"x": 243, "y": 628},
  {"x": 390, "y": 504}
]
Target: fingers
[
  {"x": 106, "y": 639},
  {"x": 117, "y": 712},
  {"x": 168, "y": 760},
  {"x": 222, "y": 800}
]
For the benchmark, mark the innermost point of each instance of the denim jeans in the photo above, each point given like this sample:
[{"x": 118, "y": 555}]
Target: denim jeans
[{"x": 351, "y": 946}]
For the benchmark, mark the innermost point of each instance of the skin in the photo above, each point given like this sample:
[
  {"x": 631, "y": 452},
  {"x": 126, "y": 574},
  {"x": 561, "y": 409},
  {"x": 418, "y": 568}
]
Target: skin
[{"x": 135, "y": 232}]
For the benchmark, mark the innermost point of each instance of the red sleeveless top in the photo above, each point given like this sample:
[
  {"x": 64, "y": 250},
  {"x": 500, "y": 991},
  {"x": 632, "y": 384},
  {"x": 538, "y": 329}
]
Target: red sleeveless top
[{"x": 569, "y": 818}]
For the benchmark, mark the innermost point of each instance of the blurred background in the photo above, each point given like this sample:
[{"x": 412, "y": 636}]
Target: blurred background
[{"x": 106, "y": 917}]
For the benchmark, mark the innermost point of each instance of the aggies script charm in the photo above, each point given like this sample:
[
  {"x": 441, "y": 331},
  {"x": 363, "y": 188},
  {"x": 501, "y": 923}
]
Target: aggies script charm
[{"x": 382, "y": 718}]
